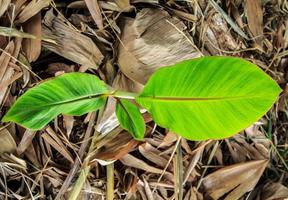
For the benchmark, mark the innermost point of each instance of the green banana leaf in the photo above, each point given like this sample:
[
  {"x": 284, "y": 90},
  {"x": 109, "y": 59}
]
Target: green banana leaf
[
  {"x": 130, "y": 118},
  {"x": 71, "y": 94},
  {"x": 209, "y": 97}
]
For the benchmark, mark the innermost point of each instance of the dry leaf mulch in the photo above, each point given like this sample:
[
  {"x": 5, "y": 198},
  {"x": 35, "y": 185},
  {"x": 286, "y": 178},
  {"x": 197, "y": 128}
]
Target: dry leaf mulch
[{"x": 124, "y": 42}]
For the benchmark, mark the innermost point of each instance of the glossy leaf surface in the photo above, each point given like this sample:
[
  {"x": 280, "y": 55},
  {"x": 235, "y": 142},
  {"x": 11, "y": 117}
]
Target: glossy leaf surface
[
  {"x": 130, "y": 118},
  {"x": 208, "y": 98},
  {"x": 70, "y": 94}
]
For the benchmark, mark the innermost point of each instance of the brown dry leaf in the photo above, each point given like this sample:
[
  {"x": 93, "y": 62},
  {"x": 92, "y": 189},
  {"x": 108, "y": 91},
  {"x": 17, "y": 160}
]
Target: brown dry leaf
[
  {"x": 147, "y": 189},
  {"x": 95, "y": 11},
  {"x": 168, "y": 140},
  {"x": 123, "y": 83},
  {"x": 32, "y": 47},
  {"x": 69, "y": 123},
  {"x": 123, "y": 4},
  {"x": 4, "y": 6},
  {"x": 236, "y": 179},
  {"x": 4, "y": 58},
  {"x": 193, "y": 194},
  {"x": 153, "y": 40},
  {"x": 6, "y": 72},
  {"x": 82, "y": 50},
  {"x": 7, "y": 142},
  {"x": 51, "y": 138},
  {"x": 6, "y": 83},
  {"x": 286, "y": 35},
  {"x": 153, "y": 154},
  {"x": 273, "y": 191},
  {"x": 26, "y": 141},
  {"x": 117, "y": 147},
  {"x": 77, "y": 4},
  {"x": 221, "y": 32},
  {"x": 19, "y": 5},
  {"x": 197, "y": 153},
  {"x": 255, "y": 19},
  {"x": 31, "y": 9},
  {"x": 184, "y": 15},
  {"x": 132, "y": 161}
]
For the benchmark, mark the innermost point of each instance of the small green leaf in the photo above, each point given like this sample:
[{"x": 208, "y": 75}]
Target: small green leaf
[
  {"x": 70, "y": 94},
  {"x": 208, "y": 98},
  {"x": 130, "y": 118}
]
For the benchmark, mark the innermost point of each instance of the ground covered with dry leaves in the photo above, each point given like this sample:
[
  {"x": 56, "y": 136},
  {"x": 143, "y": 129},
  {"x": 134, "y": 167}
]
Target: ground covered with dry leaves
[{"x": 124, "y": 42}]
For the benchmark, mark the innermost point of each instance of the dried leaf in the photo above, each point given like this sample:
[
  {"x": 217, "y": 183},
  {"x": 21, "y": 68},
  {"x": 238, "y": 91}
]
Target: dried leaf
[
  {"x": 148, "y": 191},
  {"x": 222, "y": 34},
  {"x": 25, "y": 141},
  {"x": 116, "y": 148},
  {"x": 32, "y": 47},
  {"x": 7, "y": 142},
  {"x": 193, "y": 194},
  {"x": 255, "y": 19},
  {"x": 132, "y": 161},
  {"x": 228, "y": 19},
  {"x": 273, "y": 191},
  {"x": 31, "y": 9},
  {"x": 4, "y": 58},
  {"x": 152, "y": 154},
  {"x": 51, "y": 138},
  {"x": 238, "y": 178},
  {"x": 95, "y": 11},
  {"x": 152, "y": 40},
  {"x": 82, "y": 50},
  {"x": 124, "y": 5},
  {"x": 69, "y": 122},
  {"x": 6, "y": 72},
  {"x": 286, "y": 35},
  {"x": 4, "y": 6},
  {"x": 197, "y": 153}
]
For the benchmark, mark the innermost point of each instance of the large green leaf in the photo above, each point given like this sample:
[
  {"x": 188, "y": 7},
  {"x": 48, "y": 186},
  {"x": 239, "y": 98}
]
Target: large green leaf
[
  {"x": 130, "y": 118},
  {"x": 70, "y": 94},
  {"x": 208, "y": 98}
]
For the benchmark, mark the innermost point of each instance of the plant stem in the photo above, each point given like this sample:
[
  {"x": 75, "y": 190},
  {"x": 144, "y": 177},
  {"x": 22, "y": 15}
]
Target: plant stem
[
  {"x": 110, "y": 181},
  {"x": 178, "y": 173},
  {"x": 124, "y": 95},
  {"x": 79, "y": 183}
]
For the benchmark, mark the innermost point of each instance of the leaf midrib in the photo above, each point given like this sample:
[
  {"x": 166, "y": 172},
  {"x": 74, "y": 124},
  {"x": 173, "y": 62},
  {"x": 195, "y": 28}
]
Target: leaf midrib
[
  {"x": 165, "y": 98},
  {"x": 72, "y": 101}
]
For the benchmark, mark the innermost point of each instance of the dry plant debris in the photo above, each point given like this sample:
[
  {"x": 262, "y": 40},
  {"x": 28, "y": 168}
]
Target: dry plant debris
[{"x": 124, "y": 42}]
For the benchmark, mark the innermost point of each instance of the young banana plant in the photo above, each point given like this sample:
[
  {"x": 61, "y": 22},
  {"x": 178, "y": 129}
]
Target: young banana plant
[{"x": 199, "y": 99}]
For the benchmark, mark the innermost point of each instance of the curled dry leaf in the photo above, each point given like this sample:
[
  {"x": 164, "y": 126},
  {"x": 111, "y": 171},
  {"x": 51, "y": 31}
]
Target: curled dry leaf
[
  {"x": 152, "y": 40},
  {"x": 7, "y": 142},
  {"x": 82, "y": 50},
  {"x": 116, "y": 148},
  {"x": 236, "y": 179},
  {"x": 32, "y": 47},
  {"x": 31, "y": 9}
]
